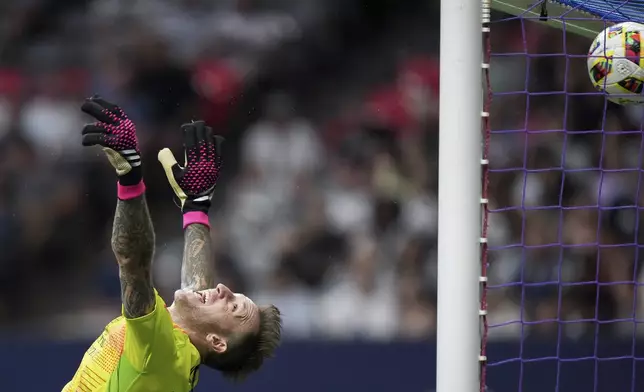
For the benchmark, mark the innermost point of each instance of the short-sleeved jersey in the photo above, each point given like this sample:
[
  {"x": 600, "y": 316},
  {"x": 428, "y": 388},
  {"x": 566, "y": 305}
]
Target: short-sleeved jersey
[{"x": 148, "y": 354}]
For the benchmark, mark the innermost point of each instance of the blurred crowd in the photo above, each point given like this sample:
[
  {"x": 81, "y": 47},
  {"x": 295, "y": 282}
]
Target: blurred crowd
[{"x": 327, "y": 205}]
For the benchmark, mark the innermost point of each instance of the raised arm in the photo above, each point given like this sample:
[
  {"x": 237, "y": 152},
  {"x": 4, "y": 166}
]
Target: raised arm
[
  {"x": 193, "y": 185},
  {"x": 198, "y": 267},
  {"x": 132, "y": 232},
  {"x": 133, "y": 246}
]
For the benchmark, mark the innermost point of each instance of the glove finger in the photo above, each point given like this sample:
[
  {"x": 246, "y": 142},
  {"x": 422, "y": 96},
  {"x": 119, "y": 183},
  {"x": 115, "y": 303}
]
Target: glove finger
[
  {"x": 177, "y": 172},
  {"x": 173, "y": 171},
  {"x": 210, "y": 144},
  {"x": 166, "y": 158},
  {"x": 104, "y": 104},
  {"x": 92, "y": 128},
  {"x": 93, "y": 139},
  {"x": 189, "y": 139},
  {"x": 201, "y": 141},
  {"x": 95, "y": 110},
  {"x": 219, "y": 141},
  {"x": 200, "y": 127},
  {"x": 198, "y": 123}
]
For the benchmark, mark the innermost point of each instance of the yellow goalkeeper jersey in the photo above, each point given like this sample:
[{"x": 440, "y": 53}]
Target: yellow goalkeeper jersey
[{"x": 148, "y": 354}]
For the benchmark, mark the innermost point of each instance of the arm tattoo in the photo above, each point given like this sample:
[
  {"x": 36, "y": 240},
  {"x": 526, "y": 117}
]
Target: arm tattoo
[
  {"x": 133, "y": 246},
  {"x": 137, "y": 292},
  {"x": 198, "y": 268}
]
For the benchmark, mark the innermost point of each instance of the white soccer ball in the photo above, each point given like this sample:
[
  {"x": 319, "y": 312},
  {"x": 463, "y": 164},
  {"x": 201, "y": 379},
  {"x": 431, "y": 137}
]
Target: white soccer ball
[{"x": 615, "y": 63}]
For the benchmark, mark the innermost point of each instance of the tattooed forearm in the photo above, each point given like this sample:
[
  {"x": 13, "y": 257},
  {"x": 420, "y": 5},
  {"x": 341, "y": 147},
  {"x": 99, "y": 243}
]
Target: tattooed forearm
[
  {"x": 198, "y": 268},
  {"x": 137, "y": 292},
  {"x": 132, "y": 233},
  {"x": 133, "y": 245}
]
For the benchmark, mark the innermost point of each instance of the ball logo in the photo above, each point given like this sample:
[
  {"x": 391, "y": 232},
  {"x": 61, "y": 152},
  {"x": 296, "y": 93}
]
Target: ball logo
[{"x": 623, "y": 69}]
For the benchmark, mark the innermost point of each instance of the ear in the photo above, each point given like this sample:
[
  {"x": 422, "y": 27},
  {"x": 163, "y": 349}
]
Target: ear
[{"x": 216, "y": 343}]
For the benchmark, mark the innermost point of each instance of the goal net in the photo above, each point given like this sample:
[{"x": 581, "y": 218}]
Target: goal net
[{"x": 562, "y": 202}]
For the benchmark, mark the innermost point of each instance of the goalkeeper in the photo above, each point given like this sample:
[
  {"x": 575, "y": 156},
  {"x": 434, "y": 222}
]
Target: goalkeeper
[{"x": 152, "y": 347}]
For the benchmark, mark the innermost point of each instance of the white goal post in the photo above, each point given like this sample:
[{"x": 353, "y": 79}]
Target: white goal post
[
  {"x": 459, "y": 196},
  {"x": 459, "y": 175}
]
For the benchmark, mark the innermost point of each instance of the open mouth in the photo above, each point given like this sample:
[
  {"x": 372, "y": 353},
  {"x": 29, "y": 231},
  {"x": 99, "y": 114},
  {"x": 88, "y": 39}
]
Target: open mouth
[{"x": 202, "y": 296}]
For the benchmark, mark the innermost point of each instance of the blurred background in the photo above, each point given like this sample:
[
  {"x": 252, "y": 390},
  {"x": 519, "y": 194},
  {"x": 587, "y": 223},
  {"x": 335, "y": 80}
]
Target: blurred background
[{"x": 327, "y": 204}]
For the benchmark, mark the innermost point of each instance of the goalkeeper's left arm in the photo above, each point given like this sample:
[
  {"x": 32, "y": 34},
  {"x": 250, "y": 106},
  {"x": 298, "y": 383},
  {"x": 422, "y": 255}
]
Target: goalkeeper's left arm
[
  {"x": 132, "y": 231},
  {"x": 194, "y": 185}
]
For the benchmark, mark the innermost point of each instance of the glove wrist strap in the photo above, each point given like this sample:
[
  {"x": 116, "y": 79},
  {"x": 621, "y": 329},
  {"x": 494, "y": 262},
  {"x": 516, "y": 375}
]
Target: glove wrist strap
[
  {"x": 132, "y": 178},
  {"x": 192, "y": 217},
  {"x": 193, "y": 206},
  {"x": 127, "y": 192}
]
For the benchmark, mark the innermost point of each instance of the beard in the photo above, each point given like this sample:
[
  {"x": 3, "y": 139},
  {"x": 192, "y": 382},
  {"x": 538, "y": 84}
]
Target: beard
[
  {"x": 193, "y": 316},
  {"x": 190, "y": 315}
]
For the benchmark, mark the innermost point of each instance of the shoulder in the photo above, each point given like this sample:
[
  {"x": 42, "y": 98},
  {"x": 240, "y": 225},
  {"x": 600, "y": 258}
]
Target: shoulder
[
  {"x": 159, "y": 310},
  {"x": 187, "y": 357}
]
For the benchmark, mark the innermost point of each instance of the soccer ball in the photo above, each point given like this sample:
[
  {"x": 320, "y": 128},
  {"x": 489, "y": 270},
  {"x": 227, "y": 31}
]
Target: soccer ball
[{"x": 615, "y": 63}]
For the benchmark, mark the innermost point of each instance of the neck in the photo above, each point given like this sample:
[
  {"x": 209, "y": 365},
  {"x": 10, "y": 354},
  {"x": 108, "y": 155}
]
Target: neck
[
  {"x": 179, "y": 322},
  {"x": 174, "y": 315}
]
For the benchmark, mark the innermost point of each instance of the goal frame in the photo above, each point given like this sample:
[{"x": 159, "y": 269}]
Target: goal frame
[
  {"x": 459, "y": 196},
  {"x": 555, "y": 15},
  {"x": 462, "y": 202}
]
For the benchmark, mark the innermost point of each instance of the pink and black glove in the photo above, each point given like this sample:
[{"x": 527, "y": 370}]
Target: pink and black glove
[
  {"x": 194, "y": 182},
  {"x": 116, "y": 133}
]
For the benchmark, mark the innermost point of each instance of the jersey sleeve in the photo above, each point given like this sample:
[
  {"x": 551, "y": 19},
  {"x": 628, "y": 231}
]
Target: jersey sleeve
[{"x": 149, "y": 340}]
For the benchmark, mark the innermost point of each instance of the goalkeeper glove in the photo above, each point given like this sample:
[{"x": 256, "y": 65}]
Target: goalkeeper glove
[
  {"x": 194, "y": 183},
  {"x": 116, "y": 133}
]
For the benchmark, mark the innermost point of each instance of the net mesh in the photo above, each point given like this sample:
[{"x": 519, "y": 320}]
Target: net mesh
[
  {"x": 610, "y": 10},
  {"x": 564, "y": 184}
]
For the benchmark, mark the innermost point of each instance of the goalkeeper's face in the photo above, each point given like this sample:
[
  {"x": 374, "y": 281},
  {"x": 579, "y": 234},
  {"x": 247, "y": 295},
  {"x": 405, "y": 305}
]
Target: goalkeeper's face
[{"x": 214, "y": 315}]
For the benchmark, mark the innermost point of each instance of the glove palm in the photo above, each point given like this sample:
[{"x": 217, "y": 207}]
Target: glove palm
[
  {"x": 194, "y": 182},
  {"x": 116, "y": 133}
]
